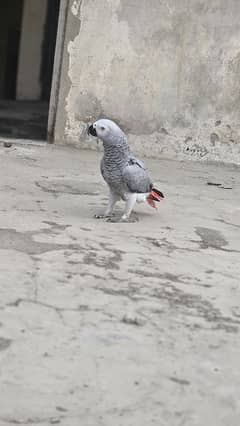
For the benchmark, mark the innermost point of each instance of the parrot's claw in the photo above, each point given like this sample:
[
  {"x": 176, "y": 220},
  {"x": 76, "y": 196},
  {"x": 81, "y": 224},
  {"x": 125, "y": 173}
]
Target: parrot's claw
[{"x": 99, "y": 216}]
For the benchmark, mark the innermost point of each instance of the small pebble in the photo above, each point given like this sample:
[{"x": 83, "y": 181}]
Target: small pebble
[
  {"x": 132, "y": 320},
  {"x": 61, "y": 409},
  {"x": 7, "y": 145},
  {"x": 55, "y": 421}
]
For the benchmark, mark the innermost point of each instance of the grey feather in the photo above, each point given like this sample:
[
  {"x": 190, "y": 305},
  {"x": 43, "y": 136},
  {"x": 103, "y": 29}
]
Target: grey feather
[{"x": 134, "y": 160}]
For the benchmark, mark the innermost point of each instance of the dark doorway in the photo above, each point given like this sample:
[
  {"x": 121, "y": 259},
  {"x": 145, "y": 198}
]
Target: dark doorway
[
  {"x": 10, "y": 30},
  {"x": 28, "y": 30}
]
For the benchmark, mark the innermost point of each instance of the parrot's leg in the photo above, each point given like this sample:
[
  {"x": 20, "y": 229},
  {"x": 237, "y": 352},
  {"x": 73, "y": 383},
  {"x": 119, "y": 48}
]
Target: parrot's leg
[
  {"x": 131, "y": 200},
  {"x": 113, "y": 198}
]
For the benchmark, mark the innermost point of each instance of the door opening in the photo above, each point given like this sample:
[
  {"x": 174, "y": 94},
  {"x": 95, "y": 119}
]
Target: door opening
[{"x": 28, "y": 30}]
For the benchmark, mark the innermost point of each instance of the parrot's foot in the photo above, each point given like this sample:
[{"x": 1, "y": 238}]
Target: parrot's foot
[{"x": 103, "y": 216}]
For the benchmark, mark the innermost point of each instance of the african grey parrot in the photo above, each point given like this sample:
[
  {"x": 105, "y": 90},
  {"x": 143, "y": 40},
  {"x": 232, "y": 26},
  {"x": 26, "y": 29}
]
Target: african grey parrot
[{"x": 125, "y": 175}]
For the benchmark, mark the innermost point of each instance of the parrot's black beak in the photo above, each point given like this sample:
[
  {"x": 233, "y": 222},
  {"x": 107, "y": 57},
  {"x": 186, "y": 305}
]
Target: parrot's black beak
[{"x": 91, "y": 131}]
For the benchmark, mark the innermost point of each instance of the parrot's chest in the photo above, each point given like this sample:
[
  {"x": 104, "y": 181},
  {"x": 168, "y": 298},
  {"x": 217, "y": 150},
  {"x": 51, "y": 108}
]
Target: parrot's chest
[
  {"x": 112, "y": 174},
  {"x": 112, "y": 177}
]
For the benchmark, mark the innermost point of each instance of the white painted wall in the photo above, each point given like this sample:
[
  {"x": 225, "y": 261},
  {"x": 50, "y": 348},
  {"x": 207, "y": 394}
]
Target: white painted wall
[{"x": 28, "y": 81}]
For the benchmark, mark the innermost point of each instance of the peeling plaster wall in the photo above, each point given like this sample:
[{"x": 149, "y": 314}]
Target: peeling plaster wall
[{"x": 167, "y": 71}]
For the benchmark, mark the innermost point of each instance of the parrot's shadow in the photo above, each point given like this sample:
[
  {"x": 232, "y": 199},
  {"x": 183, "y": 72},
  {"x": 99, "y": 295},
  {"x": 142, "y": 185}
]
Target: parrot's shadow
[
  {"x": 118, "y": 219},
  {"x": 117, "y": 215}
]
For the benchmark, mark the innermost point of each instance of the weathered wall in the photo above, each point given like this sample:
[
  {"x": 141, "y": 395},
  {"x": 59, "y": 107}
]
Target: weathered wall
[
  {"x": 167, "y": 70},
  {"x": 30, "y": 54}
]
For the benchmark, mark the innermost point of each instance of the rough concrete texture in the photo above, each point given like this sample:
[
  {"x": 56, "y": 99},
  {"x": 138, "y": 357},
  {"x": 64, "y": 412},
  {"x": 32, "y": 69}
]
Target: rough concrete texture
[
  {"x": 117, "y": 324},
  {"x": 167, "y": 71}
]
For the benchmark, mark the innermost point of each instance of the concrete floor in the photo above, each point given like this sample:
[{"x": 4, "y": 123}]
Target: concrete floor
[
  {"x": 117, "y": 324},
  {"x": 23, "y": 119}
]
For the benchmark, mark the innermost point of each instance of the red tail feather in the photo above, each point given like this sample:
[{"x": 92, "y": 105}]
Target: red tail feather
[{"x": 154, "y": 195}]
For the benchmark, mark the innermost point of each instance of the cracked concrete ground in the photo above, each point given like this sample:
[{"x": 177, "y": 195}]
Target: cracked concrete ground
[{"x": 106, "y": 324}]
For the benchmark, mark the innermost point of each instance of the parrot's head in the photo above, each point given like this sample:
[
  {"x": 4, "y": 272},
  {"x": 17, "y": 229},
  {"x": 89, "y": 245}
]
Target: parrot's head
[{"x": 106, "y": 130}]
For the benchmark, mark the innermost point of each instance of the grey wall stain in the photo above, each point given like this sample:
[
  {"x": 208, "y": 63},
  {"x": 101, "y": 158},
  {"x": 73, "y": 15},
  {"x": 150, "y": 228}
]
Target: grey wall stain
[
  {"x": 214, "y": 138},
  {"x": 4, "y": 343},
  {"x": 88, "y": 107}
]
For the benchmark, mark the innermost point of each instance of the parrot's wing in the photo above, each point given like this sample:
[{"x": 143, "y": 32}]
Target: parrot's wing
[
  {"x": 102, "y": 169},
  {"x": 134, "y": 160},
  {"x": 136, "y": 178}
]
